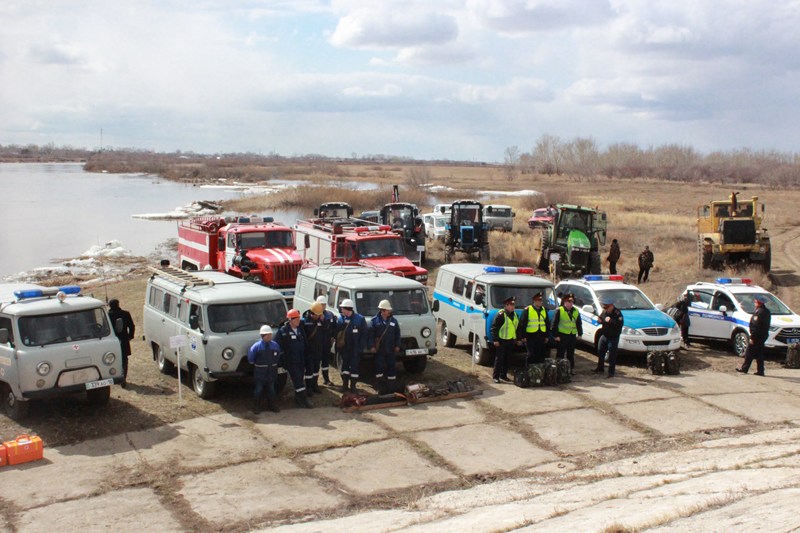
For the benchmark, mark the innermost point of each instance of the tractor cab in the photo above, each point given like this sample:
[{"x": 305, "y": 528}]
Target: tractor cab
[
  {"x": 334, "y": 210},
  {"x": 466, "y": 231},
  {"x": 405, "y": 220}
]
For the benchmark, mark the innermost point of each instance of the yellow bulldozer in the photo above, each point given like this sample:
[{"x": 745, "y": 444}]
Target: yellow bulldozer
[{"x": 729, "y": 233}]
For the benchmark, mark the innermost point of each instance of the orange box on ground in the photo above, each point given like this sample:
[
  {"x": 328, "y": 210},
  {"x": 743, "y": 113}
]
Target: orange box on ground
[
  {"x": 24, "y": 449},
  {"x": 3, "y": 455}
]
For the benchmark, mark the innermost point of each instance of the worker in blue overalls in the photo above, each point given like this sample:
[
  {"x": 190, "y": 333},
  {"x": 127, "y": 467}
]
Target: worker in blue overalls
[
  {"x": 264, "y": 355},
  {"x": 353, "y": 328},
  {"x": 384, "y": 336},
  {"x": 294, "y": 348}
]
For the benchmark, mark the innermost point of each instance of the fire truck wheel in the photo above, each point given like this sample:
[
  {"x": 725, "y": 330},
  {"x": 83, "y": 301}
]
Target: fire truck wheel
[
  {"x": 164, "y": 366},
  {"x": 13, "y": 408},
  {"x": 98, "y": 396},
  {"x": 205, "y": 389}
]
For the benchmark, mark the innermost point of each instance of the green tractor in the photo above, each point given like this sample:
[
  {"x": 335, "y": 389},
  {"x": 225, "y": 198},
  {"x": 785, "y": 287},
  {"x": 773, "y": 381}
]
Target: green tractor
[{"x": 570, "y": 245}]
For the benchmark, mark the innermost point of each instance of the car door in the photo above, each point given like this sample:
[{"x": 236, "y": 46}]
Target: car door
[
  {"x": 701, "y": 320},
  {"x": 590, "y": 322},
  {"x": 721, "y": 322}
]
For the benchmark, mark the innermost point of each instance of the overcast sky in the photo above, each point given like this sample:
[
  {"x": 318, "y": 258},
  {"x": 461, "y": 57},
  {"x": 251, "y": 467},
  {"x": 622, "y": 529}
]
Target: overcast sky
[{"x": 439, "y": 79}]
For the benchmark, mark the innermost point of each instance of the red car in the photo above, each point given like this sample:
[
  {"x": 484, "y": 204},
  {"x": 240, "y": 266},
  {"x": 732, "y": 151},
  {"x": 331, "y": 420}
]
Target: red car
[{"x": 541, "y": 218}]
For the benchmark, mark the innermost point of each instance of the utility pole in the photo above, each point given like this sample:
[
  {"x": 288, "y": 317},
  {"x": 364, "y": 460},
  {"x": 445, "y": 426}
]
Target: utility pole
[{"x": 101, "y": 139}]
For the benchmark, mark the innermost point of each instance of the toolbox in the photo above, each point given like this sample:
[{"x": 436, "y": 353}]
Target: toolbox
[
  {"x": 3, "y": 455},
  {"x": 24, "y": 449}
]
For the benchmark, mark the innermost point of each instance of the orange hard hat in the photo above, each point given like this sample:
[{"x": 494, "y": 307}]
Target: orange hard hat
[{"x": 293, "y": 313}]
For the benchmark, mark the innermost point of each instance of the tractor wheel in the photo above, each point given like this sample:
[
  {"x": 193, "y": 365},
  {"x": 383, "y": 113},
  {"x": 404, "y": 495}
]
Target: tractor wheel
[
  {"x": 594, "y": 263},
  {"x": 544, "y": 258},
  {"x": 766, "y": 265},
  {"x": 706, "y": 259}
]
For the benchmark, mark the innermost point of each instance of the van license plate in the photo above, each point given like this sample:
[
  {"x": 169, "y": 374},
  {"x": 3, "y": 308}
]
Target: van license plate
[
  {"x": 792, "y": 341},
  {"x": 417, "y": 351},
  {"x": 98, "y": 384}
]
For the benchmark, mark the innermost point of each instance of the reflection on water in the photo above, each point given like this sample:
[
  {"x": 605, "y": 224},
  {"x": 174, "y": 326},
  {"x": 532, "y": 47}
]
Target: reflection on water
[{"x": 56, "y": 210}]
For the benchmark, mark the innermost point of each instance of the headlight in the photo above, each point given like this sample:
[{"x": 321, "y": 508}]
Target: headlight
[
  {"x": 426, "y": 332},
  {"x": 43, "y": 368},
  {"x": 109, "y": 358},
  {"x": 630, "y": 331},
  {"x": 676, "y": 329},
  {"x": 227, "y": 354}
]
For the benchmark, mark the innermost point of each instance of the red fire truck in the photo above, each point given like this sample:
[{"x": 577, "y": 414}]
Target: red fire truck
[
  {"x": 355, "y": 242},
  {"x": 253, "y": 248}
]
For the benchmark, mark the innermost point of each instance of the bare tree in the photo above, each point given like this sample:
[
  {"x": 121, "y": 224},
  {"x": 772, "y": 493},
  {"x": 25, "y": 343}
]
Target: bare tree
[{"x": 511, "y": 162}]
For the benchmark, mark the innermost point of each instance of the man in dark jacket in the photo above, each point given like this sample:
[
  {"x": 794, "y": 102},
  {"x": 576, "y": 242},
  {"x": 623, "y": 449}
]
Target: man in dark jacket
[
  {"x": 125, "y": 335},
  {"x": 384, "y": 336},
  {"x": 319, "y": 344},
  {"x": 646, "y": 260},
  {"x": 534, "y": 328},
  {"x": 295, "y": 353},
  {"x": 264, "y": 355},
  {"x": 355, "y": 334},
  {"x": 759, "y": 331},
  {"x": 613, "y": 256},
  {"x": 682, "y": 318},
  {"x": 504, "y": 336},
  {"x": 611, "y": 323},
  {"x": 567, "y": 326}
]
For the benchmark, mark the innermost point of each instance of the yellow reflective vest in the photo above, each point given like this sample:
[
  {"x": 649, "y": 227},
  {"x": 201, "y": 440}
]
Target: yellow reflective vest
[
  {"x": 567, "y": 325},
  {"x": 537, "y": 320},
  {"x": 508, "y": 331}
]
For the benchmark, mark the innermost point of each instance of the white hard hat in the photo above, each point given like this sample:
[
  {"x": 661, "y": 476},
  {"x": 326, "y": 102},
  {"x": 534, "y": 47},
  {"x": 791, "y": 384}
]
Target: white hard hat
[
  {"x": 321, "y": 299},
  {"x": 265, "y": 330},
  {"x": 347, "y": 302},
  {"x": 385, "y": 305}
]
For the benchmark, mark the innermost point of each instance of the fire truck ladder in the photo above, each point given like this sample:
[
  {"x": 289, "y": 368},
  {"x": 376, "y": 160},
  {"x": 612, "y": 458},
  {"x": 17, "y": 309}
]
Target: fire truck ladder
[{"x": 182, "y": 277}]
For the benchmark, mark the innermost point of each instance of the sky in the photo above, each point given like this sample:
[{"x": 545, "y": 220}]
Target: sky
[{"x": 429, "y": 79}]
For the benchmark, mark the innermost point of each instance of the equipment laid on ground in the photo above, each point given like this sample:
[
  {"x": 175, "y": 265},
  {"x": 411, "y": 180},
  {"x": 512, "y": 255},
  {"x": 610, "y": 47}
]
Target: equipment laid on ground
[
  {"x": 548, "y": 374},
  {"x": 661, "y": 362},
  {"x": 415, "y": 393},
  {"x": 564, "y": 374},
  {"x": 570, "y": 244},
  {"x": 23, "y": 449},
  {"x": 729, "y": 233},
  {"x": 253, "y": 248},
  {"x": 466, "y": 232},
  {"x": 792, "y": 356}
]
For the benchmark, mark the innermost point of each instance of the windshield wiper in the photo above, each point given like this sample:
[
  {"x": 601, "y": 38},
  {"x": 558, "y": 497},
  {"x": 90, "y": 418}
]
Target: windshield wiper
[
  {"x": 242, "y": 326},
  {"x": 53, "y": 341}
]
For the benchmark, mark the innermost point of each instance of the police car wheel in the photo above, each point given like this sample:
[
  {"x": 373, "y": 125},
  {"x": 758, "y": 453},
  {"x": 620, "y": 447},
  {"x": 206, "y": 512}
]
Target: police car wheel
[
  {"x": 482, "y": 356},
  {"x": 13, "y": 408},
  {"x": 204, "y": 389},
  {"x": 740, "y": 341}
]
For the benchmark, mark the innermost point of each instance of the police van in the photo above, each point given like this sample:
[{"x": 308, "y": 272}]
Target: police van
[
  {"x": 54, "y": 341},
  {"x": 367, "y": 286},
  {"x": 722, "y": 310},
  {"x": 468, "y": 296},
  {"x": 217, "y": 316},
  {"x": 647, "y": 327}
]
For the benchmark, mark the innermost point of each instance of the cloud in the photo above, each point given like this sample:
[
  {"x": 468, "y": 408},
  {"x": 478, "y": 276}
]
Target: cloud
[
  {"x": 532, "y": 16},
  {"x": 380, "y": 29}
]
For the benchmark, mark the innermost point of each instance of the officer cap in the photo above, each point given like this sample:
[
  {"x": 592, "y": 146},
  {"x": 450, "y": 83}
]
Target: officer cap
[
  {"x": 265, "y": 330},
  {"x": 510, "y": 300},
  {"x": 568, "y": 297},
  {"x": 538, "y": 296},
  {"x": 605, "y": 302},
  {"x": 760, "y": 299}
]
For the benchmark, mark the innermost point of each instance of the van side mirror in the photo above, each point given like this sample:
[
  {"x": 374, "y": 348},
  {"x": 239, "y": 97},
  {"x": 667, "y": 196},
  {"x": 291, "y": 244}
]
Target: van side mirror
[
  {"x": 4, "y": 335},
  {"x": 723, "y": 308},
  {"x": 660, "y": 307},
  {"x": 435, "y": 306},
  {"x": 513, "y": 214},
  {"x": 119, "y": 326},
  {"x": 194, "y": 321},
  {"x": 588, "y": 309}
]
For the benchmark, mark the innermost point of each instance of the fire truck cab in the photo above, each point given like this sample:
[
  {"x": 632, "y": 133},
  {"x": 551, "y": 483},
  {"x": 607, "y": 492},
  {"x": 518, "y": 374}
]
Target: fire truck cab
[
  {"x": 253, "y": 248},
  {"x": 355, "y": 242}
]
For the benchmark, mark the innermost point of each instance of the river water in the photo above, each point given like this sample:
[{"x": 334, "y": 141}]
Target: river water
[{"x": 56, "y": 210}]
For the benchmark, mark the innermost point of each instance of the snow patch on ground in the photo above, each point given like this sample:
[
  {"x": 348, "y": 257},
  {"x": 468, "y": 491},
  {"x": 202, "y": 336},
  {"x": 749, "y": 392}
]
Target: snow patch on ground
[{"x": 524, "y": 192}]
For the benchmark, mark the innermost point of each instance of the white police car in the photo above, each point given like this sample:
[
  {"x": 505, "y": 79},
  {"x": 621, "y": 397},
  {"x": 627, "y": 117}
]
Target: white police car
[
  {"x": 722, "y": 309},
  {"x": 646, "y": 327}
]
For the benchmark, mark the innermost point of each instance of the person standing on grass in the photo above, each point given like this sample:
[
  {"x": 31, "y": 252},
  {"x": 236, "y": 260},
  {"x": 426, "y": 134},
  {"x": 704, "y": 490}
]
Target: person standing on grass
[
  {"x": 646, "y": 260},
  {"x": 611, "y": 322},
  {"x": 504, "y": 332},
  {"x": 613, "y": 256},
  {"x": 759, "y": 331},
  {"x": 534, "y": 328},
  {"x": 567, "y": 325},
  {"x": 124, "y": 333}
]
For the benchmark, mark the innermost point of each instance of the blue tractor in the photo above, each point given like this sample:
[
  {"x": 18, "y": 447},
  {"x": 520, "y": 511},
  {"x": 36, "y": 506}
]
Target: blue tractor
[{"x": 466, "y": 232}]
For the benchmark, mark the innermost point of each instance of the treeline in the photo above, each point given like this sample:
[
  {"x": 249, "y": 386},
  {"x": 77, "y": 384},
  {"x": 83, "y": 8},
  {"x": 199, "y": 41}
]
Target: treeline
[
  {"x": 47, "y": 153},
  {"x": 582, "y": 157}
]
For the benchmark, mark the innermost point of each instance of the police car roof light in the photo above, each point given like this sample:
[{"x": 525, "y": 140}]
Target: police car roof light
[
  {"x": 507, "y": 270},
  {"x": 30, "y": 293},
  {"x": 70, "y": 289},
  {"x": 603, "y": 277},
  {"x": 726, "y": 281}
]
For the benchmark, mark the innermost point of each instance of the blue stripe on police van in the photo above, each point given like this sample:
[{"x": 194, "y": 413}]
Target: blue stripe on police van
[{"x": 718, "y": 316}]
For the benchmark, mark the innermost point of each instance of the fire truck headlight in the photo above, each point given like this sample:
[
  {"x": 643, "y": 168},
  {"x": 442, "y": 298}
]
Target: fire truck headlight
[
  {"x": 426, "y": 332},
  {"x": 43, "y": 368},
  {"x": 109, "y": 358},
  {"x": 227, "y": 354}
]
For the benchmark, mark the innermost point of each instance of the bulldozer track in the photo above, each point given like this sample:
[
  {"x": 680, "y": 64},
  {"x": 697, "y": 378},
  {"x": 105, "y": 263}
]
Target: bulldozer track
[{"x": 786, "y": 263}]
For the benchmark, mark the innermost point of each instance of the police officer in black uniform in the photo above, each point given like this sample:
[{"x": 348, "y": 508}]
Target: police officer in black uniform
[
  {"x": 125, "y": 336},
  {"x": 534, "y": 328},
  {"x": 504, "y": 334},
  {"x": 611, "y": 322},
  {"x": 759, "y": 331}
]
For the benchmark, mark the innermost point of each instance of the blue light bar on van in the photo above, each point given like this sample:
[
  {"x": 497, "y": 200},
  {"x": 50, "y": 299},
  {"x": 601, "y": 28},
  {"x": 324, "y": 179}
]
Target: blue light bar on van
[
  {"x": 507, "y": 270},
  {"x": 50, "y": 291},
  {"x": 726, "y": 281},
  {"x": 603, "y": 277}
]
